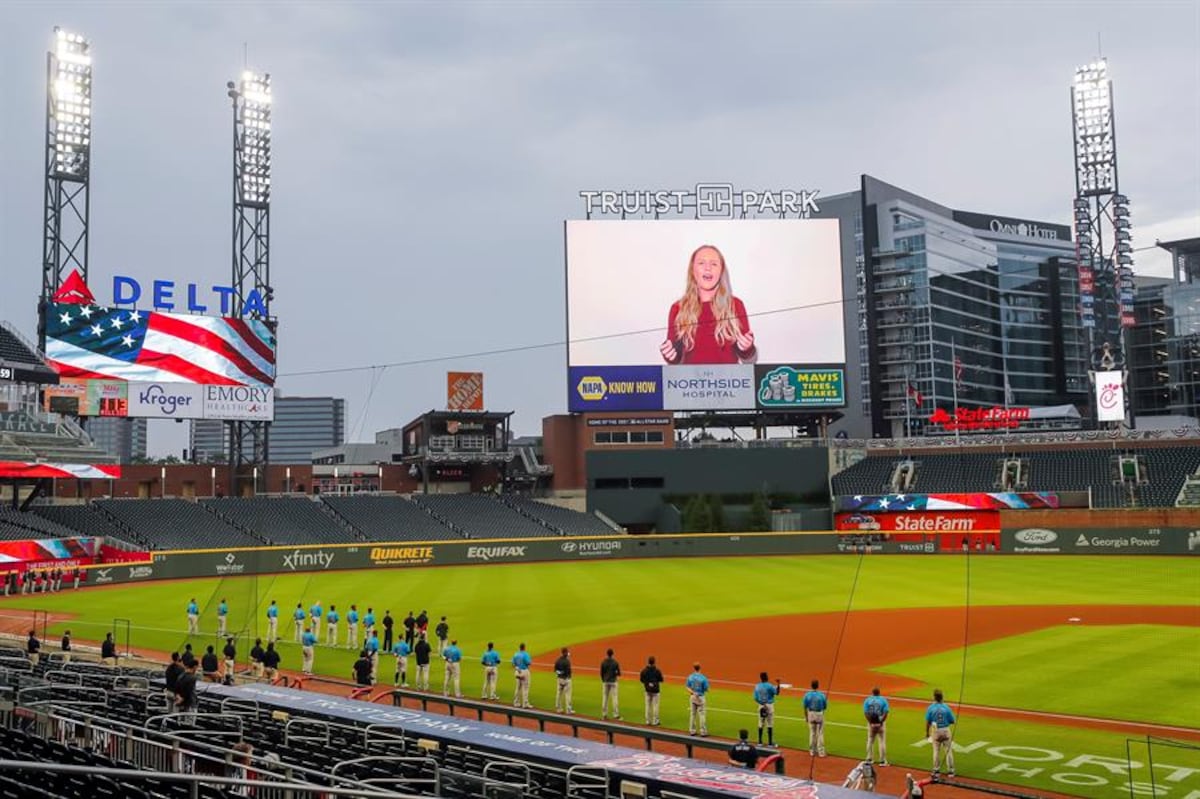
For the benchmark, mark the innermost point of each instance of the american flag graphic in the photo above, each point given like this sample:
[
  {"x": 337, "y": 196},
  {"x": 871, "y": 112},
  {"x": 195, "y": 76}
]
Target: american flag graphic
[{"x": 88, "y": 341}]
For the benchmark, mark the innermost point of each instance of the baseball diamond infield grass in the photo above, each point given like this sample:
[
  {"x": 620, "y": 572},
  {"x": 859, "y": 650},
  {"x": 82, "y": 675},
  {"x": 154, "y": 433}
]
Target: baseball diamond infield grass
[
  {"x": 1090, "y": 668},
  {"x": 741, "y": 615}
]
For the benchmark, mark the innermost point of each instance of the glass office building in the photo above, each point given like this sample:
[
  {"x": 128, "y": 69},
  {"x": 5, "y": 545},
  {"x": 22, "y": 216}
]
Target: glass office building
[
  {"x": 960, "y": 309},
  {"x": 1165, "y": 341},
  {"x": 302, "y": 424},
  {"x": 124, "y": 439}
]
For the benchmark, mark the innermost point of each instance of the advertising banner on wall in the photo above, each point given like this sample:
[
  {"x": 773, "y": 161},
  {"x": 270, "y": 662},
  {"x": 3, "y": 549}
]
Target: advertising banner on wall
[
  {"x": 1110, "y": 396},
  {"x": 786, "y": 386},
  {"x": 701, "y": 388},
  {"x": 464, "y": 391},
  {"x": 1102, "y": 541},
  {"x": 711, "y": 293},
  {"x": 615, "y": 388},
  {"x": 87, "y": 398},
  {"x": 166, "y": 400},
  {"x": 243, "y": 403},
  {"x": 920, "y": 522}
]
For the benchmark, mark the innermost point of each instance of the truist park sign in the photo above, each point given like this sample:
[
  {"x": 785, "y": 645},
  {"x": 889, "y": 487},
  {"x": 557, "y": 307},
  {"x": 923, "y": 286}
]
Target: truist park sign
[{"x": 705, "y": 201}]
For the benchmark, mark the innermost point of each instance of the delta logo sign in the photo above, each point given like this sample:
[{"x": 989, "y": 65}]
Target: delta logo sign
[
  {"x": 88, "y": 341},
  {"x": 127, "y": 291}
]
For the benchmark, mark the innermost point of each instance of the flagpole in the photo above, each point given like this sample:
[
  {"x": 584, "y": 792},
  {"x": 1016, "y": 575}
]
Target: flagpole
[
  {"x": 1007, "y": 389},
  {"x": 908, "y": 408},
  {"x": 954, "y": 385}
]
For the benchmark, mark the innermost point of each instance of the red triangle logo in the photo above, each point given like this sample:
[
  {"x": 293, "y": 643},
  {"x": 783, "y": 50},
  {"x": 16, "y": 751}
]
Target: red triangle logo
[{"x": 74, "y": 291}]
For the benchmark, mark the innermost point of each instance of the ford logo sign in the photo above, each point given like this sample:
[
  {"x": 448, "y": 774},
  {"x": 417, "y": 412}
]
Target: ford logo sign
[{"x": 1036, "y": 535}]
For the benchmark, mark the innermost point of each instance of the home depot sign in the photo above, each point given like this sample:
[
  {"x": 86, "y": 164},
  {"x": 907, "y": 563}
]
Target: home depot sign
[
  {"x": 464, "y": 391},
  {"x": 980, "y": 418}
]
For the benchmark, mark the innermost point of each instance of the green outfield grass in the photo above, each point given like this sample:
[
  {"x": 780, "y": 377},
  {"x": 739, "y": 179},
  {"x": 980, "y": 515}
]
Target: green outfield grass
[
  {"x": 1092, "y": 671},
  {"x": 548, "y": 605}
]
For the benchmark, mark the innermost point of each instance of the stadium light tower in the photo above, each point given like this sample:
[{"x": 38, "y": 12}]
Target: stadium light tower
[
  {"x": 251, "y": 96},
  {"x": 1103, "y": 240},
  {"x": 68, "y": 164}
]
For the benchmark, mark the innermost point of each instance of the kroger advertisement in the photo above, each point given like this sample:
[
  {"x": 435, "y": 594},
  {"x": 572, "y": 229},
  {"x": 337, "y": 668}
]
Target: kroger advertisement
[
  {"x": 704, "y": 315},
  {"x": 160, "y": 400}
]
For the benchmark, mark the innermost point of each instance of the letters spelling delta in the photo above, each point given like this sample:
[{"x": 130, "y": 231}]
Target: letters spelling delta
[{"x": 127, "y": 291}]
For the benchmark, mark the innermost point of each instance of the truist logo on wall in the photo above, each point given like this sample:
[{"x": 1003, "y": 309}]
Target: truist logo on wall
[{"x": 251, "y": 403}]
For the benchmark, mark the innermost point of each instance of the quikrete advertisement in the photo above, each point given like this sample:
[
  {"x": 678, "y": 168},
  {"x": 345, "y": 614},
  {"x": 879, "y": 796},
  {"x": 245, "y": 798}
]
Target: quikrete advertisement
[{"x": 400, "y": 556}]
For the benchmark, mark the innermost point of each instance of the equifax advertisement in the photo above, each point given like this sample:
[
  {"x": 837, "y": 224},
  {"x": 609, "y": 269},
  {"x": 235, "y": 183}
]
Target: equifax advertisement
[{"x": 704, "y": 314}]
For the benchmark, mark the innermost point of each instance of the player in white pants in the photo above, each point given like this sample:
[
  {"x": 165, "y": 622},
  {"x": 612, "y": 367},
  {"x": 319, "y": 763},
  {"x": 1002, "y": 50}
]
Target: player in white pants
[
  {"x": 875, "y": 711},
  {"x": 939, "y": 726},
  {"x": 491, "y": 664}
]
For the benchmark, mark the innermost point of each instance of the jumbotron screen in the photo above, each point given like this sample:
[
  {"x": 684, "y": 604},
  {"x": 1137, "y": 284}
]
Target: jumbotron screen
[
  {"x": 120, "y": 362},
  {"x": 704, "y": 315}
]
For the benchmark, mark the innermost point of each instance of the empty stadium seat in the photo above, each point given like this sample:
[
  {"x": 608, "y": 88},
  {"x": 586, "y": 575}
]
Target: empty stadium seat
[
  {"x": 388, "y": 518},
  {"x": 282, "y": 520},
  {"x": 175, "y": 524},
  {"x": 480, "y": 516},
  {"x": 1044, "y": 469}
]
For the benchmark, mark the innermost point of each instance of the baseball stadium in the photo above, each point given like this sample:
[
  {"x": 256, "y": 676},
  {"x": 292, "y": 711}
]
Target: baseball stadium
[{"x": 915, "y": 512}]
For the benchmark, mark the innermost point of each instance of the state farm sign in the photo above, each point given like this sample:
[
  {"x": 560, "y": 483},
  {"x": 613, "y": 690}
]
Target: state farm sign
[
  {"x": 980, "y": 418},
  {"x": 920, "y": 521}
]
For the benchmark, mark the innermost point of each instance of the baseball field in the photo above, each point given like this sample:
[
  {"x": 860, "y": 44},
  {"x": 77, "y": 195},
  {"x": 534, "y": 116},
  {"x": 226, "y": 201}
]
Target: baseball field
[{"x": 1061, "y": 668}]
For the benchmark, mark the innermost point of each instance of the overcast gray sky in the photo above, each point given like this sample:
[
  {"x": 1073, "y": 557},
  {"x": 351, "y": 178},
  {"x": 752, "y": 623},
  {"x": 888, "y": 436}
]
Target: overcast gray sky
[{"x": 426, "y": 154}]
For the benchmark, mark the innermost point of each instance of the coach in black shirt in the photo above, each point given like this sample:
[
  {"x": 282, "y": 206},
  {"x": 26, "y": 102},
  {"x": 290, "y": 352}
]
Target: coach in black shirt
[
  {"x": 173, "y": 672},
  {"x": 743, "y": 753},
  {"x": 422, "y": 651},
  {"x": 652, "y": 680},
  {"x": 410, "y": 627},
  {"x": 209, "y": 664},
  {"x": 108, "y": 650},
  {"x": 270, "y": 661},
  {"x": 186, "y": 700},
  {"x": 388, "y": 624},
  {"x": 362, "y": 669}
]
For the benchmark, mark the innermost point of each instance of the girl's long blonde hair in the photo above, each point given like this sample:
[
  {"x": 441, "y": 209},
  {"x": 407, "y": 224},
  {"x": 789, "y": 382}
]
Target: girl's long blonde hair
[{"x": 727, "y": 326}]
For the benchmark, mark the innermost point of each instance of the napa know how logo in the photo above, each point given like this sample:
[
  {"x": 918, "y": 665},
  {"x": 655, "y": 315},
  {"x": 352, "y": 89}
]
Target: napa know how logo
[{"x": 615, "y": 388}]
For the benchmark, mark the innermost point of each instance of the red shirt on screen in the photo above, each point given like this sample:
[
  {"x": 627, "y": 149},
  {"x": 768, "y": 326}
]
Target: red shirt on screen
[{"x": 705, "y": 349}]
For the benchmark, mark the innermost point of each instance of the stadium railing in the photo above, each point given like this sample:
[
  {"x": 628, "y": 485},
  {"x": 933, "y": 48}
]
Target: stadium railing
[
  {"x": 177, "y": 748},
  {"x": 610, "y": 730}
]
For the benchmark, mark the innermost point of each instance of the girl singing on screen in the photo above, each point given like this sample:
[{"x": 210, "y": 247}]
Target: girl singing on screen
[{"x": 708, "y": 325}]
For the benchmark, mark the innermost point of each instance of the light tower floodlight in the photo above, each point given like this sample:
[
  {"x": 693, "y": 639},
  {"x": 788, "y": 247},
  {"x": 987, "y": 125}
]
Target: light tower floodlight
[
  {"x": 68, "y": 162},
  {"x": 1095, "y": 138},
  {"x": 1103, "y": 240},
  {"x": 251, "y": 96}
]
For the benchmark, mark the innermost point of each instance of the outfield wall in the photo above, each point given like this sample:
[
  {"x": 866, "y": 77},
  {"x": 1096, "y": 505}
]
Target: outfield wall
[
  {"x": 333, "y": 557},
  {"x": 336, "y": 557}
]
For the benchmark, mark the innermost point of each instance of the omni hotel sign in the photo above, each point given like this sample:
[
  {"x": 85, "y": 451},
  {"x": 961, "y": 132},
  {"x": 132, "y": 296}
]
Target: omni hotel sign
[{"x": 705, "y": 201}]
